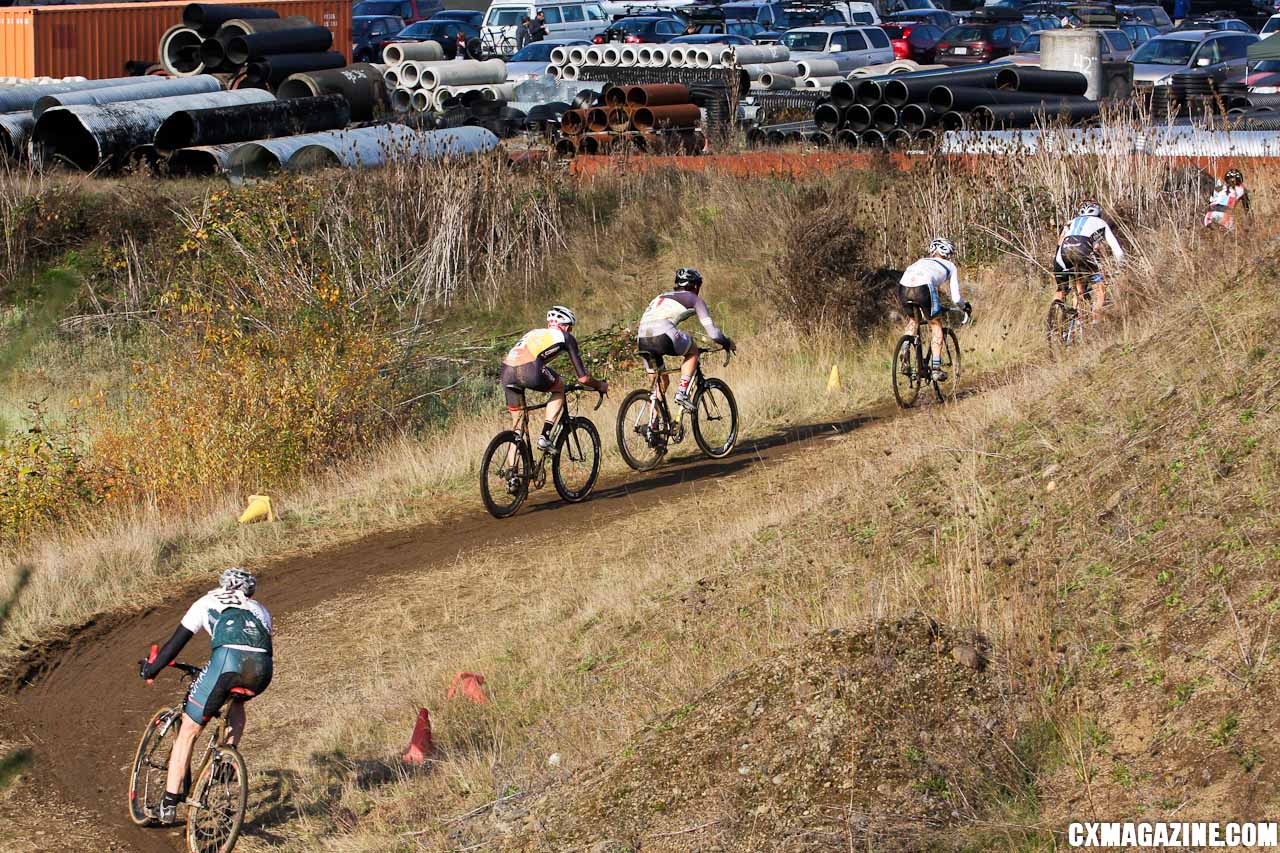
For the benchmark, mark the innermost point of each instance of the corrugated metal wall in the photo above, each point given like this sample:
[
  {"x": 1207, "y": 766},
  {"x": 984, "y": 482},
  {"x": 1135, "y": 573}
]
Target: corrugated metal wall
[{"x": 96, "y": 41}]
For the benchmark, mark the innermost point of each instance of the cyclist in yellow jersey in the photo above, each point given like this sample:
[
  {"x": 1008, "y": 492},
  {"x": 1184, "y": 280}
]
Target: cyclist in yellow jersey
[{"x": 525, "y": 368}]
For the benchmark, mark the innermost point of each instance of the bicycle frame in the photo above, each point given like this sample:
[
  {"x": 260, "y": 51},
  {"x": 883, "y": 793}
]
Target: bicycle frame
[{"x": 538, "y": 474}]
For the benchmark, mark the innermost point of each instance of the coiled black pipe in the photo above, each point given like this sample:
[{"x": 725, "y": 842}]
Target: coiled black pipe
[
  {"x": 915, "y": 117},
  {"x": 1004, "y": 116},
  {"x": 847, "y": 138},
  {"x": 272, "y": 70},
  {"x": 247, "y": 122},
  {"x": 871, "y": 139},
  {"x": 857, "y": 118},
  {"x": 842, "y": 94},
  {"x": 948, "y": 98},
  {"x": 205, "y": 18},
  {"x": 885, "y": 118},
  {"x": 300, "y": 40},
  {"x": 827, "y": 117},
  {"x": 1022, "y": 79}
]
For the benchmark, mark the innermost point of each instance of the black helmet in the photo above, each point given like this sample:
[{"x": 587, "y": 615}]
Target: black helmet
[
  {"x": 687, "y": 278},
  {"x": 1234, "y": 176}
]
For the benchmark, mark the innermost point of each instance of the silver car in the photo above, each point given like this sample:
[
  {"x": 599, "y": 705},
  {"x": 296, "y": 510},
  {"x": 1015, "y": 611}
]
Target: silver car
[
  {"x": 1220, "y": 54},
  {"x": 534, "y": 59},
  {"x": 851, "y": 47}
]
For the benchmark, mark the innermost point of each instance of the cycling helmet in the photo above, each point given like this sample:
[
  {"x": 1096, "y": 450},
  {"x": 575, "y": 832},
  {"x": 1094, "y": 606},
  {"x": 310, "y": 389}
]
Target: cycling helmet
[
  {"x": 1234, "y": 176},
  {"x": 687, "y": 278},
  {"x": 234, "y": 579},
  {"x": 1089, "y": 207},
  {"x": 942, "y": 247},
  {"x": 558, "y": 315}
]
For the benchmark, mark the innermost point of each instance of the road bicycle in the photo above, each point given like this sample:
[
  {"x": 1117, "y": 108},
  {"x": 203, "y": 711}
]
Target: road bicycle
[
  {"x": 1064, "y": 327},
  {"x": 496, "y": 44},
  {"x": 216, "y": 805},
  {"x": 912, "y": 363},
  {"x": 508, "y": 468},
  {"x": 646, "y": 428}
]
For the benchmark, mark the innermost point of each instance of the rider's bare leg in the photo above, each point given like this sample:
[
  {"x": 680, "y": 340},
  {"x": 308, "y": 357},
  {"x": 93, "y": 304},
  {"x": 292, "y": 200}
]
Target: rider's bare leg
[
  {"x": 555, "y": 404},
  {"x": 235, "y": 722},
  {"x": 1099, "y": 298},
  {"x": 180, "y": 757},
  {"x": 687, "y": 369},
  {"x": 935, "y": 333}
]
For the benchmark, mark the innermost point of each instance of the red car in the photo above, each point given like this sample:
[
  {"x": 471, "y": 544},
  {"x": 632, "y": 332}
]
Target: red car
[
  {"x": 914, "y": 41},
  {"x": 970, "y": 44}
]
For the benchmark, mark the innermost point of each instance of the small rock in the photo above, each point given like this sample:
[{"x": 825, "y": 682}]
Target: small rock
[
  {"x": 744, "y": 771},
  {"x": 1051, "y": 486},
  {"x": 1051, "y": 470},
  {"x": 554, "y": 759},
  {"x": 756, "y": 707},
  {"x": 777, "y": 780},
  {"x": 966, "y": 655}
]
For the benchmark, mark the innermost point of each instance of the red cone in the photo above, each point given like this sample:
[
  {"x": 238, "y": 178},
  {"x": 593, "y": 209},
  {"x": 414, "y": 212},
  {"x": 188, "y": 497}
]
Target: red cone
[
  {"x": 420, "y": 743},
  {"x": 470, "y": 685}
]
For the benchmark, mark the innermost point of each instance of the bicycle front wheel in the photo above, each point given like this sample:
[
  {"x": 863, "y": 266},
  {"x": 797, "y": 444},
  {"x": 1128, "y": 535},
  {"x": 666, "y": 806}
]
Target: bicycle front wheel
[
  {"x": 1061, "y": 327},
  {"x": 907, "y": 376},
  {"x": 641, "y": 431},
  {"x": 715, "y": 419},
  {"x": 151, "y": 765},
  {"x": 577, "y": 462},
  {"x": 221, "y": 794},
  {"x": 947, "y": 388},
  {"x": 505, "y": 470}
]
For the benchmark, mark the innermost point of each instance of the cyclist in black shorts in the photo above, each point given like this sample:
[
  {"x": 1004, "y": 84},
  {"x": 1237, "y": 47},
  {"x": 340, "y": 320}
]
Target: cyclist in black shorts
[
  {"x": 1076, "y": 260},
  {"x": 658, "y": 336}
]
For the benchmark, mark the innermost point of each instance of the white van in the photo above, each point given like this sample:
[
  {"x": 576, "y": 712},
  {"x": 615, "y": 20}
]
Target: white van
[{"x": 566, "y": 21}]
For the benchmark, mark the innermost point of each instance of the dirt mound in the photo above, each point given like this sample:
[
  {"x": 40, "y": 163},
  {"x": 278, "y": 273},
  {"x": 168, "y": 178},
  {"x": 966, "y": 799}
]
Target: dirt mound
[{"x": 896, "y": 735}]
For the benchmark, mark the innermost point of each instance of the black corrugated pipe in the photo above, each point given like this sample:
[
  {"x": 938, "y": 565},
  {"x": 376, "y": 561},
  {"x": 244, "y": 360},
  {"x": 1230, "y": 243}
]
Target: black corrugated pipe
[
  {"x": 1022, "y": 79},
  {"x": 899, "y": 93},
  {"x": 1258, "y": 123},
  {"x": 981, "y": 75},
  {"x": 272, "y": 70},
  {"x": 301, "y": 40},
  {"x": 827, "y": 117},
  {"x": 820, "y": 139},
  {"x": 213, "y": 50},
  {"x": 868, "y": 92},
  {"x": 842, "y": 94},
  {"x": 954, "y": 121},
  {"x": 1004, "y": 116},
  {"x": 847, "y": 138},
  {"x": 926, "y": 138},
  {"x": 1255, "y": 101},
  {"x": 947, "y": 98},
  {"x": 361, "y": 84},
  {"x": 205, "y": 18},
  {"x": 917, "y": 116},
  {"x": 858, "y": 118},
  {"x": 205, "y": 161},
  {"x": 871, "y": 139},
  {"x": 885, "y": 118},
  {"x": 898, "y": 138},
  {"x": 247, "y": 122}
]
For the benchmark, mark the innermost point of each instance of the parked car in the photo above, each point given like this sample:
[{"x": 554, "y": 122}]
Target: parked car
[
  {"x": 1138, "y": 32},
  {"x": 370, "y": 34},
  {"x": 746, "y": 29},
  {"x": 711, "y": 38},
  {"x": 972, "y": 44},
  {"x": 1230, "y": 25},
  {"x": 1270, "y": 27},
  {"x": 1154, "y": 16},
  {"x": 1042, "y": 22},
  {"x": 1220, "y": 54},
  {"x": 913, "y": 41},
  {"x": 571, "y": 19},
  {"x": 852, "y": 47},
  {"x": 1116, "y": 47},
  {"x": 534, "y": 59},
  {"x": 474, "y": 18},
  {"x": 788, "y": 16},
  {"x": 409, "y": 11},
  {"x": 641, "y": 30},
  {"x": 445, "y": 33},
  {"x": 894, "y": 7},
  {"x": 937, "y": 17}
]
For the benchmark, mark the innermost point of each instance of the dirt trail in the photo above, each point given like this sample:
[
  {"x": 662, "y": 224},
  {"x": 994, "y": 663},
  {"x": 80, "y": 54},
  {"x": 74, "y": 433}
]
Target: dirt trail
[{"x": 83, "y": 708}]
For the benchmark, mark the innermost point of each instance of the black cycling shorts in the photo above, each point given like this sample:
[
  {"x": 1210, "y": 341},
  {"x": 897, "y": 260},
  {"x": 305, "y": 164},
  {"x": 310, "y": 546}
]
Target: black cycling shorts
[
  {"x": 1064, "y": 273},
  {"x": 654, "y": 349},
  {"x": 923, "y": 296},
  {"x": 526, "y": 377}
]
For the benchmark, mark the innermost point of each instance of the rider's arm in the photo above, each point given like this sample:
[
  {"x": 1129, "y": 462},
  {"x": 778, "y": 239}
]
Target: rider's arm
[
  {"x": 704, "y": 317},
  {"x": 575, "y": 356},
  {"x": 169, "y": 652},
  {"x": 955, "y": 285},
  {"x": 1113, "y": 243}
]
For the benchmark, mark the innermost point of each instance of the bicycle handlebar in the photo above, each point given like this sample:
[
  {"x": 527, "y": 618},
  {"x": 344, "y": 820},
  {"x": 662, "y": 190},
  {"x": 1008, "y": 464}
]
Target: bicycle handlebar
[
  {"x": 187, "y": 668},
  {"x": 575, "y": 386},
  {"x": 728, "y": 353}
]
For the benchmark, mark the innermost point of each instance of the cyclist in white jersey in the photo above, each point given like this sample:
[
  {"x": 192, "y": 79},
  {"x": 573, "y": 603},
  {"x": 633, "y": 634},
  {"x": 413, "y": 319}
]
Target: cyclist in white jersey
[
  {"x": 239, "y": 668},
  {"x": 658, "y": 336},
  {"x": 1076, "y": 260},
  {"x": 919, "y": 288}
]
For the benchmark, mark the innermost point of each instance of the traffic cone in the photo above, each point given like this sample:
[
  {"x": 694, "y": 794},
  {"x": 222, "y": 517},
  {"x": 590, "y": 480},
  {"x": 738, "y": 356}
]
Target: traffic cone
[
  {"x": 470, "y": 685},
  {"x": 259, "y": 508},
  {"x": 833, "y": 381},
  {"x": 420, "y": 742}
]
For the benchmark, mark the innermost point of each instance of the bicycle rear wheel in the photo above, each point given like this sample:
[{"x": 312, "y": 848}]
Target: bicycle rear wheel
[
  {"x": 505, "y": 470},
  {"x": 221, "y": 794},
  {"x": 907, "y": 376},
  {"x": 151, "y": 765},
  {"x": 1061, "y": 328},
  {"x": 715, "y": 419},
  {"x": 947, "y": 388},
  {"x": 641, "y": 430},
  {"x": 577, "y": 462}
]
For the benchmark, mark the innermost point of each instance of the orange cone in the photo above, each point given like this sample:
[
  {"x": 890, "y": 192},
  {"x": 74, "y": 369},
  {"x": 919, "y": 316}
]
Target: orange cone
[
  {"x": 470, "y": 685},
  {"x": 420, "y": 742}
]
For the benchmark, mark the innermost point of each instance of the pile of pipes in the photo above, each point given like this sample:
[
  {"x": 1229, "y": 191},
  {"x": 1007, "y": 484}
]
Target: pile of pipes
[
  {"x": 8, "y": 82},
  {"x": 909, "y": 109},
  {"x": 421, "y": 80},
  {"x": 1254, "y": 112},
  {"x": 657, "y": 119},
  {"x": 567, "y": 62},
  {"x": 253, "y": 46}
]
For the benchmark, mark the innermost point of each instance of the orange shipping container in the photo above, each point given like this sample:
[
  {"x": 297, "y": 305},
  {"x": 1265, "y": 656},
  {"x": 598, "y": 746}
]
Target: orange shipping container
[{"x": 96, "y": 41}]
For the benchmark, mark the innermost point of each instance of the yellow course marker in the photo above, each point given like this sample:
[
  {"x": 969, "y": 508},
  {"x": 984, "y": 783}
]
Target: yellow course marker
[
  {"x": 833, "y": 381},
  {"x": 259, "y": 508}
]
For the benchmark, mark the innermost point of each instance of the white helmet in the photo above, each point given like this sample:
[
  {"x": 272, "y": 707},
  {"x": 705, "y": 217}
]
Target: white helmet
[
  {"x": 1090, "y": 208},
  {"x": 238, "y": 579},
  {"x": 558, "y": 315},
  {"x": 942, "y": 247}
]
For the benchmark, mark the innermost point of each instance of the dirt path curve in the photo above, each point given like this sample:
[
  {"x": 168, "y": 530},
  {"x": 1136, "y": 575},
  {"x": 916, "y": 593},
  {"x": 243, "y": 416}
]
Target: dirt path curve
[{"x": 84, "y": 709}]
